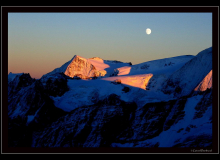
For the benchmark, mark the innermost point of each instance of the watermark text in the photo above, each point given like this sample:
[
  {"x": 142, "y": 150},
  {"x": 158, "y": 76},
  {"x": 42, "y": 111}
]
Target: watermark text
[{"x": 201, "y": 150}]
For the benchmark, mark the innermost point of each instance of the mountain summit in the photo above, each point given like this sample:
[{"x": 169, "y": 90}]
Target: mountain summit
[
  {"x": 80, "y": 67},
  {"x": 87, "y": 68},
  {"x": 76, "y": 67}
]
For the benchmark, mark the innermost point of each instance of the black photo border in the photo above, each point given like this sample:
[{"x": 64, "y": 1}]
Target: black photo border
[{"x": 153, "y": 9}]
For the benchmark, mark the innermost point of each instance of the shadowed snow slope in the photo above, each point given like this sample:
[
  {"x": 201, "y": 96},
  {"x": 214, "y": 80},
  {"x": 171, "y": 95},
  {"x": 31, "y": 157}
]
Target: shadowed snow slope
[
  {"x": 184, "y": 80},
  {"x": 166, "y": 65}
]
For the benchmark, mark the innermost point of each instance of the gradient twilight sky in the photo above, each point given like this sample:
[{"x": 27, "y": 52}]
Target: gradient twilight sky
[{"x": 40, "y": 42}]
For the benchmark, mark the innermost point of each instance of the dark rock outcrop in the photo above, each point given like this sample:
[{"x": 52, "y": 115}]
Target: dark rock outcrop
[{"x": 97, "y": 125}]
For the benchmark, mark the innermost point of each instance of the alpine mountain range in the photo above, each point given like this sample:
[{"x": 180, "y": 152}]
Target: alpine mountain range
[{"x": 107, "y": 103}]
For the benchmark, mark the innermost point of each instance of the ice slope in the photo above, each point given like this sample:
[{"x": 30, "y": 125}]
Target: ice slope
[
  {"x": 183, "y": 81},
  {"x": 206, "y": 83}
]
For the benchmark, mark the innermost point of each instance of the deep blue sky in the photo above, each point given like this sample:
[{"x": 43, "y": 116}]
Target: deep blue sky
[{"x": 41, "y": 42}]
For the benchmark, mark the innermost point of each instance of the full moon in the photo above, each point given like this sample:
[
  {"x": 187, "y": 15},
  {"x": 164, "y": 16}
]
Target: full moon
[{"x": 148, "y": 31}]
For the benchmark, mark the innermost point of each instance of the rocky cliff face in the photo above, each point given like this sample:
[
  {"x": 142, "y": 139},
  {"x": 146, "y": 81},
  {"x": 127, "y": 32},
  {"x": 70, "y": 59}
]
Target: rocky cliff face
[
  {"x": 30, "y": 107},
  {"x": 80, "y": 67},
  {"x": 89, "y": 126},
  {"x": 115, "y": 123}
]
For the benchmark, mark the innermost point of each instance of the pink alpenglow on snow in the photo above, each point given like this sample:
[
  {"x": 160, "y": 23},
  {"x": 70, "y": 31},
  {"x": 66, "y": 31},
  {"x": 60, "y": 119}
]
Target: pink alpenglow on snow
[
  {"x": 139, "y": 81},
  {"x": 206, "y": 83}
]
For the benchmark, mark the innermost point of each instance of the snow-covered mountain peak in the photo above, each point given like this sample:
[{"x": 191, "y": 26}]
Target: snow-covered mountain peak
[
  {"x": 86, "y": 68},
  {"x": 77, "y": 66},
  {"x": 80, "y": 66},
  {"x": 79, "y": 57},
  {"x": 183, "y": 81}
]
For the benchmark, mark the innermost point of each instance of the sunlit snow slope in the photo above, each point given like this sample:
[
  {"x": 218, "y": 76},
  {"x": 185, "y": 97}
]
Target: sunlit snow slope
[
  {"x": 106, "y": 66},
  {"x": 206, "y": 83}
]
